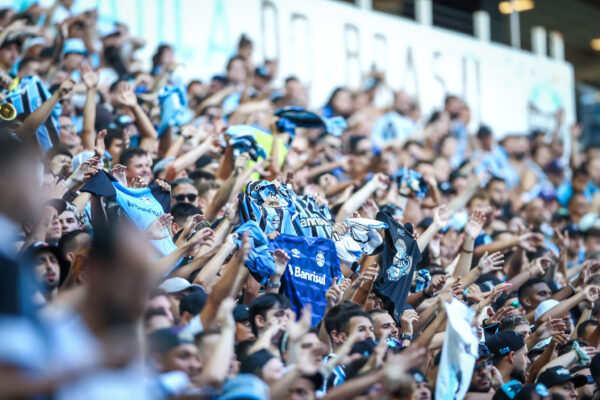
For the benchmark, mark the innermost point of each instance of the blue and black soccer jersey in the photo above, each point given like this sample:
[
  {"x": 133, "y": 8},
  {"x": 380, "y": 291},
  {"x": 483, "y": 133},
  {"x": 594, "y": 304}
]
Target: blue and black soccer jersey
[
  {"x": 399, "y": 258},
  {"x": 315, "y": 221},
  {"x": 310, "y": 271},
  {"x": 142, "y": 205}
]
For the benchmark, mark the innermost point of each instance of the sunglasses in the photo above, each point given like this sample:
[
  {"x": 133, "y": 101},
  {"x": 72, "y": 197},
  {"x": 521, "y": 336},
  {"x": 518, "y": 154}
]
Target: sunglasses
[{"x": 189, "y": 196}]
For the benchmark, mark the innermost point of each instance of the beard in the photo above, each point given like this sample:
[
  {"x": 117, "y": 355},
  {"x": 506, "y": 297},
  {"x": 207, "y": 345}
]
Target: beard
[
  {"x": 518, "y": 375},
  {"x": 480, "y": 389}
]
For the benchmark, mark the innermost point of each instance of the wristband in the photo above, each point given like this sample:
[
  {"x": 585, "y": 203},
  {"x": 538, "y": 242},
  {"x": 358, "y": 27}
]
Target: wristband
[
  {"x": 466, "y": 251},
  {"x": 273, "y": 285},
  {"x": 426, "y": 295},
  {"x": 404, "y": 336},
  {"x": 572, "y": 287}
]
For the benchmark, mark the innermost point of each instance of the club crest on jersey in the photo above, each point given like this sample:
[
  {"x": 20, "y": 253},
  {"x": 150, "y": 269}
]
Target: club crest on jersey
[
  {"x": 146, "y": 200},
  {"x": 401, "y": 262},
  {"x": 275, "y": 221},
  {"x": 296, "y": 253},
  {"x": 320, "y": 258}
]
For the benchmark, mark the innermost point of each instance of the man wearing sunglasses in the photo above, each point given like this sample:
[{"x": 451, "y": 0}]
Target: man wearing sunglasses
[
  {"x": 184, "y": 191},
  {"x": 481, "y": 381}
]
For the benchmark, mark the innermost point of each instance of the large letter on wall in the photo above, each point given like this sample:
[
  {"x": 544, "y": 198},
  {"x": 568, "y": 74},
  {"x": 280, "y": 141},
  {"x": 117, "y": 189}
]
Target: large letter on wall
[
  {"x": 270, "y": 30},
  {"x": 352, "y": 46},
  {"x": 300, "y": 39}
]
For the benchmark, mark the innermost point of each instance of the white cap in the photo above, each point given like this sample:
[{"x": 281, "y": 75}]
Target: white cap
[
  {"x": 176, "y": 285},
  {"x": 543, "y": 307}
]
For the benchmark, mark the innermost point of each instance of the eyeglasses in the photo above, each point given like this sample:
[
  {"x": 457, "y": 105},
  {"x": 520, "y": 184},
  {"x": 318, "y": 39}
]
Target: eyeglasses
[
  {"x": 483, "y": 364},
  {"x": 183, "y": 196}
]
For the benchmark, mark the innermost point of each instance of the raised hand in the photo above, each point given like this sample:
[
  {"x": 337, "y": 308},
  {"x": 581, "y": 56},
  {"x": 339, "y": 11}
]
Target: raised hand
[
  {"x": 88, "y": 76},
  {"x": 592, "y": 293},
  {"x": 407, "y": 321},
  {"x": 475, "y": 224},
  {"x": 370, "y": 208},
  {"x": 380, "y": 181},
  {"x": 299, "y": 328},
  {"x": 370, "y": 274},
  {"x": 530, "y": 241},
  {"x": 155, "y": 230},
  {"x": 281, "y": 260},
  {"x": 440, "y": 217},
  {"x": 550, "y": 327},
  {"x": 99, "y": 145},
  {"x": 65, "y": 87},
  {"x": 333, "y": 295},
  {"x": 491, "y": 263},
  {"x": 499, "y": 315},
  {"x": 125, "y": 95},
  {"x": 164, "y": 186},
  {"x": 118, "y": 172},
  {"x": 539, "y": 266},
  {"x": 225, "y": 314}
]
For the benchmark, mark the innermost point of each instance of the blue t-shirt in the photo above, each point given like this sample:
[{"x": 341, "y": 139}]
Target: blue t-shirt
[
  {"x": 142, "y": 205},
  {"x": 310, "y": 271}
]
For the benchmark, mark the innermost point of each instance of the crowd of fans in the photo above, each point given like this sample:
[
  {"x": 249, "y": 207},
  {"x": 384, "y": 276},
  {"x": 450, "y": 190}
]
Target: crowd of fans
[{"x": 164, "y": 238}]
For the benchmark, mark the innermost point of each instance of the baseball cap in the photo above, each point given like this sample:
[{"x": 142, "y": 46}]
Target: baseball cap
[
  {"x": 74, "y": 45},
  {"x": 245, "y": 386},
  {"x": 503, "y": 343},
  {"x": 164, "y": 339},
  {"x": 193, "y": 302},
  {"x": 557, "y": 375},
  {"x": 543, "y": 307},
  {"x": 240, "y": 312},
  {"x": 255, "y": 361},
  {"x": 176, "y": 285}
]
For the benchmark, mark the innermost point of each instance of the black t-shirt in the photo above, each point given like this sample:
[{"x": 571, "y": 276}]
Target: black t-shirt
[{"x": 399, "y": 259}]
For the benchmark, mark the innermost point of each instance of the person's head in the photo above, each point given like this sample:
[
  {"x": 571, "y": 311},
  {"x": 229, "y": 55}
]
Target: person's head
[
  {"x": 68, "y": 135},
  {"x": 181, "y": 212},
  {"x": 536, "y": 212},
  {"x": 592, "y": 240},
  {"x": 515, "y": 323},
  {"x": 585, "y": 329},
  {"x": 69, "y": 221},
  {"x": 481, "y": 380},
  {"x": 53, "y": 230},
  {"x": 498, "y": 192},
  {"x": 243, "y": 330},
  {"x": 206, "y": 193},
  {"x": 170, "y": 351},
  {"x": 119, "y": 279},
  {"x": 578, "y": 206},
  {"x": 163, "y": 57},
  {"x": 268, "y": 309},
  {"x": 9, "y": 52},
  {"x": 74, "y": 52},
  {"x": 45, "y": 260},
  {"x": 485, "y": 137},
  {"x": 350, "y": 321},
  {"x": 383, "y": 324},
  {"x": 236, "y": 70},
  {"x": 303, "y": 388},
  {"x": 579, "y": 180},
  {"x": 533, "y": 292},
  {"x": 585, "y": 392},
  {"x": 184, "y": 191},
  {"x": 58, "y": 160},
  {"x": 138, "y": 163},
  {"x": 175, "y": 289},
  {"x": 264, "y": 365},
  {"x": 160, "y": 301},
  {"x": 28, "y": 66},
  {"x": 244, "y": 47},
  {"x": 509, "y": 354},
  {"x": 560, "y": 381},
  {"x": 340, "y": 102},
  {"x": 115, "y": 142},
  {"x": 73, "y": 242},
  {"x": 191, "y": 305},
  {"x": 422, "y": 389}
]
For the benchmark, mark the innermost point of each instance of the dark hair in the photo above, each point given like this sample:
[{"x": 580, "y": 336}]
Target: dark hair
[
  {"x": 333, "y": 313},
  {"x": 232, "y": 60},
  {"x": 342, "y": 321},
  {"x": 181, "y": 211},
  {"x": 24, "y": 61},
  {"x": 154, "y": 312},
  {"x": 333, "y": 94},
  {"x": 129, "y": 153},
  {"x": 57, "y": 150},
  {"x": 495, "y": 178},
  {"x": 524, "y": 289},
  {"x": 262, "y": 304},
  {"x": 199, "y": 174},
  {"x": 68, "y": 241},
  {"x": 244, "y": 41},
  {"x": 159, "y": 52},
  {"x": 582, "y": 327},
  {"x": 354, "y": 141},
  {"x": 181, "y": 181},
  {"x": 113, "y": 134},
  {"x": 291, "y": 78},
  {"x": 510, "y": 322}
]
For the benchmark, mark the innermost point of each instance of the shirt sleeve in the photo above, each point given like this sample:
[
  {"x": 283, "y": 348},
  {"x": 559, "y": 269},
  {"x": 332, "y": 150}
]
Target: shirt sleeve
[{"x": 164, "y": 198}]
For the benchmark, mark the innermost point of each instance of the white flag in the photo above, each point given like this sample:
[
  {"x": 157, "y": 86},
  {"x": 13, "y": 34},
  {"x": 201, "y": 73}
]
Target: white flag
[{"x": 459, "y": 353}]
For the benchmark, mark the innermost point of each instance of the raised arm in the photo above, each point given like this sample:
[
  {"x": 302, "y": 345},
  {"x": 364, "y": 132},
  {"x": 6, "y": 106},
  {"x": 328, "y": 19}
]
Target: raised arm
[{"x": 90, "y": 79}]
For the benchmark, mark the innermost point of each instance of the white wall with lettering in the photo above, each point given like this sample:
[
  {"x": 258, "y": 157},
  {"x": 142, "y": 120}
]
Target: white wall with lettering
[{"x": 327, "y": 44}]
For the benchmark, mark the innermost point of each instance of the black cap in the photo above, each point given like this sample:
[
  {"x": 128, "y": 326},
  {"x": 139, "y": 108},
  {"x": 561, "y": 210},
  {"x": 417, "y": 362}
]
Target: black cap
[
  {"x": 364, "y": 348},
  {"x": 484, "y": 352},
  {"x": 417, "y": 375},
  {"x": 503, "y": 343},
  {"x": 557, "y": 375},
  {"x": 255, "y": 361},
  {"x": 40, "y": 247},
  {"x": 240, "y": 312},
  {"x": 162, "y": 340},
  {"x": 193, "y": 302}
]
